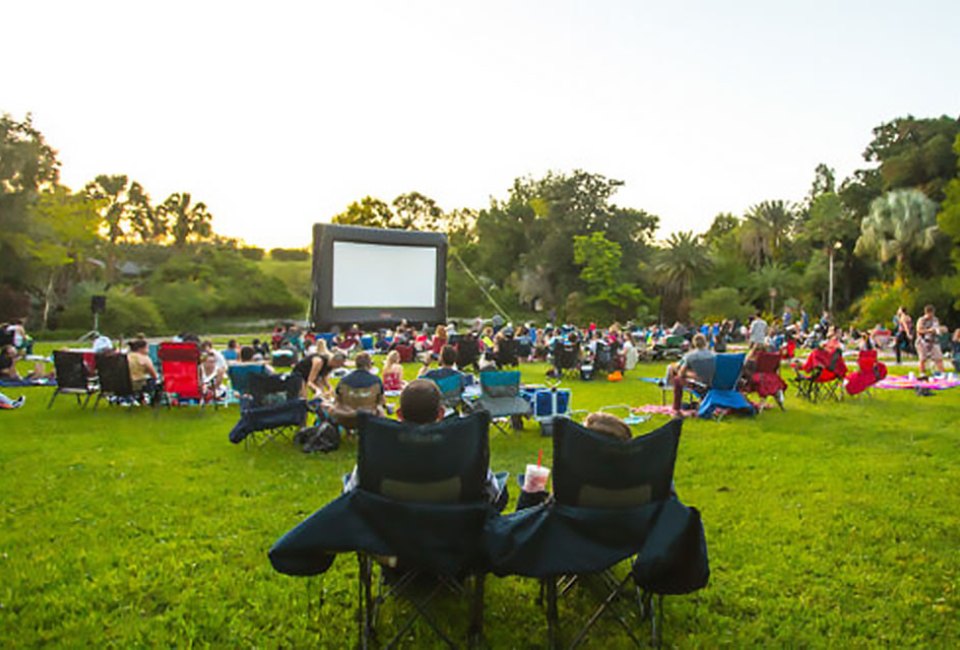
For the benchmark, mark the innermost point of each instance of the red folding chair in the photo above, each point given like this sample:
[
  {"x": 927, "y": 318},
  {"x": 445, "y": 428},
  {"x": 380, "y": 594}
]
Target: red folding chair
[
  {"x": 765, "y": 380},
  {"x": 869, "y": 371},
  {"x": 821, "y": 375},
  {"x": 180, "y": 366}
]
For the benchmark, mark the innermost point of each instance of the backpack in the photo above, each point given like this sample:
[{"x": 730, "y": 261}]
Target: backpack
[{"x": 324, "y": 437}]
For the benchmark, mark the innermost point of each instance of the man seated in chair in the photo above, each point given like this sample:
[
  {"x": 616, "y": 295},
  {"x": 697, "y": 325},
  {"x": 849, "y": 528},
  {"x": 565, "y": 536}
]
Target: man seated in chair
[
  {"x": 422, "y": 403},
  {"x": 694, "y": 369},
  {"x": 360, "y": 390},
  {"x": 448, "y": 366}
]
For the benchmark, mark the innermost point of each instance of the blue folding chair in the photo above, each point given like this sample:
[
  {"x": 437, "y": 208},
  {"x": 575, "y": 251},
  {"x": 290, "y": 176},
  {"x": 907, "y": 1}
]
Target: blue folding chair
[
  {"x": 500, "y": 397},
  {"x": 723, "y": 393}
]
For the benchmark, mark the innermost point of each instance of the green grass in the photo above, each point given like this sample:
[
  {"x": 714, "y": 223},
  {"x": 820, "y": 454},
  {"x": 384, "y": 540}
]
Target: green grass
[{"x": 832, "y": 524}]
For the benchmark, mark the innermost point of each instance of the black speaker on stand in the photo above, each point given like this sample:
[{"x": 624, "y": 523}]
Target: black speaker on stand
[{"x": 98, "y": 305}]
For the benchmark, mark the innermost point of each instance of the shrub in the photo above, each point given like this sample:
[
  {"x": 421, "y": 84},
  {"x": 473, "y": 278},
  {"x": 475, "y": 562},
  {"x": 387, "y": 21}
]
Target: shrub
[
  {"x": 717, "y": 304},
  {"x": 252, "y": 253},
  {"x": 289, "y": 254},
  {"x": 126, "y": 313},
  {"x": 880, "y": 302}
]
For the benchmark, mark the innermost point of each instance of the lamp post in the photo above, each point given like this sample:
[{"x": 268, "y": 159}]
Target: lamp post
[
  {"x": 836, "y": 246},
  {"x": 773, "y": 298}
]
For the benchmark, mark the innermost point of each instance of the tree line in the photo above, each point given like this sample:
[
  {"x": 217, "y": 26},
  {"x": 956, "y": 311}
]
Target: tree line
[{"x": 555, "y": 247}]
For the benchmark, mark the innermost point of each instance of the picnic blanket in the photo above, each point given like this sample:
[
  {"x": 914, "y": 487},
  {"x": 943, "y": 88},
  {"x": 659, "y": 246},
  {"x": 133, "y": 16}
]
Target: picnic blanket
[{"x": 905, "y": 382}]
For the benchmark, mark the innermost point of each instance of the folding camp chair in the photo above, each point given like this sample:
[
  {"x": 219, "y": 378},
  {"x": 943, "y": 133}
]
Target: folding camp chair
[
  {"x": 72, "y": 377},
  {"x": 451, "y": 392},
  {"x": 468, "y": 352},
  {"x": 272, "y": 409},
  {"x": 612, "y": 502},
  {"x": 240, "y": 376},
  {"x": 352, "y": 400},
  {"x": 723, "y": 395},
  {"x": 869, "y": 371},
  {"x": 765, "y": 380},
  {"x": 821, "y": 375},
  {"x": 507, "y": 353},
  {"x": 180, "y": 367},
  {"x": 566, "y": 360},
  {"x": 500, "y": 397},
  {"x": 113, "y": 373}
]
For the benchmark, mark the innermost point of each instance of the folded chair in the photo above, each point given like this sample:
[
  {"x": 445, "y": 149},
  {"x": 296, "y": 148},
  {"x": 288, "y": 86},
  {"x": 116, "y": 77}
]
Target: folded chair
[
  {"x": 416, "y": 522},
  {"x": 612, "y": 502},
  {"x": 869, "y": 371},
  {"x": 72, "y": 377},
  {"x": 500, "y": 397},
  {"x": 765, "y": 380},
  {"x": 723, "y": 393},
  {"x": 821, "y": 375},
  {"x": 180, "y": 367}
]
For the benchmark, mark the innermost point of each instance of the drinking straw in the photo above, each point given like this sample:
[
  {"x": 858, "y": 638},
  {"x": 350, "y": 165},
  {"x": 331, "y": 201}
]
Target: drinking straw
[{"x": 540, "y": 457}]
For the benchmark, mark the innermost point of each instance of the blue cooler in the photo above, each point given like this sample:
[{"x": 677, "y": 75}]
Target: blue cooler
[{"x": 366, "y": 342}]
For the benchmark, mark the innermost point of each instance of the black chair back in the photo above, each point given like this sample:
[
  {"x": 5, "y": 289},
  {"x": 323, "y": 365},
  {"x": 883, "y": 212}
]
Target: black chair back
[
  {"x": 443, "y": 462},
  {"x": 595, "y": 470},
  {"x": 273, "y": 389},
  {"x": 71, "y": 373},
  {"x": 114, "y": 374}
]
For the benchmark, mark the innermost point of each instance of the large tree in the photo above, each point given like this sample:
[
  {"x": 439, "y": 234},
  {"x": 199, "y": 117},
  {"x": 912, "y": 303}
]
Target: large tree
[
  {"x": 186, "y": 221},
  {"x": 678, "y": 264},
  {"x": 765, "y": 231},
  {"x": 900, "y": 222}
]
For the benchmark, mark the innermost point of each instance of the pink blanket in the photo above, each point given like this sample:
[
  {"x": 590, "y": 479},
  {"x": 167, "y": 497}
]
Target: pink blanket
[{"x": 904, "y": 382}]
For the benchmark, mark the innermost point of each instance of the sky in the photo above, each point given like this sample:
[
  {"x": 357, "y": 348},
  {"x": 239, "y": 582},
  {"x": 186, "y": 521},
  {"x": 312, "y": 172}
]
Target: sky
[{"x": 278, "y": 115}]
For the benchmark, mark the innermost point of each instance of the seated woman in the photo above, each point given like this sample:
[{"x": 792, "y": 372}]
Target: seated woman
[
  {"x": 143, "y": 374},
  {"x": 212, "y": 376},
  {"x": 8, "y": 366},
  {"x": 393, "y": 372}
]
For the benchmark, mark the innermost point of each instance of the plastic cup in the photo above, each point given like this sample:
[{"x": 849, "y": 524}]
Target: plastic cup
[{"x": 535, "y": 478}]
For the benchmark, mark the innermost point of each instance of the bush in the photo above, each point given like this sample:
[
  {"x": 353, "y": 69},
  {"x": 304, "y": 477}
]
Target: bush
[
  {"x": 880, "y": 302},
  {"x": 252, "y": 253},
  {"x": 289, "y": 254},
  {"x": 126, "y": 313},
  {"x": 718, "y": 304}
]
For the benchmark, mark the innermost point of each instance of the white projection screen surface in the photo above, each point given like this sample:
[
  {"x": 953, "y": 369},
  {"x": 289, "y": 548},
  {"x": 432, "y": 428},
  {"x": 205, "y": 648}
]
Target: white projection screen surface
[{"x": 383, "y": 276}]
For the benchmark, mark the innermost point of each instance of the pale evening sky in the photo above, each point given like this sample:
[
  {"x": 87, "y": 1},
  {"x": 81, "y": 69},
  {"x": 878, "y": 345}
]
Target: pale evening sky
[{"x": 278, "y": 115}]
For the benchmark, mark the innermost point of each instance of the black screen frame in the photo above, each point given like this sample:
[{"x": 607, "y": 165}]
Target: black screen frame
[{"x": 323, "y": 315}]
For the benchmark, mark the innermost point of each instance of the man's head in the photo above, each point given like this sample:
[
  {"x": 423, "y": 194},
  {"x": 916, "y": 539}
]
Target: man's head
[
  {"x": 929, "y": 310},
  {"x": 607, "y": 424},
  {"x": 363, "y": 361},
  {"x": 448, "y": 355},
  {"x": 420, "y": 402},
  {"x": 699, "y": 341},
  {"x": 246, "y": 353}
]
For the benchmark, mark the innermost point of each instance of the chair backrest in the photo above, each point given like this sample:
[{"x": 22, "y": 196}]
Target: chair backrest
[
  {"x": 768, "y": 362},
  {"x": 451, "y": 389},
  {"x": 405, "y": 352},
  {"x": 240, "y": 375},
  {"x": 443, "y": 462},
  {"x": 271, "y": 389},
  {"x": 728, "y": 368},
  {"x": 867, "y": 360},
  {"x": 567, "y": 355},
  {"x": 114, "y": 374},
  {"x": 70, "y": 369},
  {"x": 180, "y": 365},
  {"x": 468, "y": 350},
  {"x": 507, "y": 352},
  {"x": 500, "y": 383},
  {"x": 366, "y": 397},
  {"x": 594, "y": 470}
]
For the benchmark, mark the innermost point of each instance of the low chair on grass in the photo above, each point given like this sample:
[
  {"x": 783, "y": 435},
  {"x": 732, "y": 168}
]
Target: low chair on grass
[
  {"x": 723, "y": 395},
  {"x": 566, "y": 360},
  {"x": 240, "y": 377},
  {"x": 821, "y": 375},
  {"x": 72, "y": 377},
  {"x": 765, "y": 380},
  {"x": 613, "y": 501},
  {"x": 415, "y": 521},
  {"x": 180, "y": 368},
  {"x": 273, "y": 409},
  {"x": 500, "y": 397},
  {"x": 869, "y": 371},
  {"x": 113, "y": 372}
]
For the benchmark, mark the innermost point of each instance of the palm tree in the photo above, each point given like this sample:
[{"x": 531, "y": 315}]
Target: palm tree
[
  {"x": 185, "y": 220},
  {"x": 900, "y": 222},
  {"x": 678, "y": 264},
  {"x": 765, "y": 229}
]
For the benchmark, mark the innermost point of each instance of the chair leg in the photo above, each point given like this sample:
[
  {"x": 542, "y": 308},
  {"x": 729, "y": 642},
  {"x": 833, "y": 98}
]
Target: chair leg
[
  {"x": 476, "y": 612},
  {"x": 56, "y": 392},
  {"x": 553, "y": 619}
]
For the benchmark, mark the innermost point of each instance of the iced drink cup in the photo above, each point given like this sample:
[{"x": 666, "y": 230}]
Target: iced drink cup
[{"x": 535, "y": 478}]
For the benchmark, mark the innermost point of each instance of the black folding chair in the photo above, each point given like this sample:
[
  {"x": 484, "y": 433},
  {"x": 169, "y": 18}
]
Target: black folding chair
[
  {"x": 443, "y": 467},
  {"x": 113, "y": 372},
  {"x": 508, "y": 355},
  {"x": 273, "y": 409},
  {"x": 566, "y": 360},
  {"x": 72, "y": 377}
]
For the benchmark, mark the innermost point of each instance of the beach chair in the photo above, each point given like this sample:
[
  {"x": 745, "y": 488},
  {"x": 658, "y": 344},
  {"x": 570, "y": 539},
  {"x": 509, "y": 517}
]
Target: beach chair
[
  {"x": 113, "y": 374},
  {"x": 869, "y": 371},
  {"x": 500, "y": 397},
  {"x": 765, "y": 380},
  {"x": 821, "y": 375},
  {"x": 723, "y": 395},
  {"x": 612, "y": 502},
  {"x": 72, "y": 377},
  {"x": 180, "y": 368},
  {"x": 415, "y": 521},
  {"x": 271, "y": 410}
]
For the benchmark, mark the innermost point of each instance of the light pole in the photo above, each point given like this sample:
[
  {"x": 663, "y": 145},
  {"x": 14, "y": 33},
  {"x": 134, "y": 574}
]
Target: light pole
[{"x": 836, "y": 246}]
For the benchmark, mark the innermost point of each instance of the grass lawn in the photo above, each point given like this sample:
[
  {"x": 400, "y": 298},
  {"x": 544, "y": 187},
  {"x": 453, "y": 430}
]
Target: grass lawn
[{"x": 833, "y": 524}]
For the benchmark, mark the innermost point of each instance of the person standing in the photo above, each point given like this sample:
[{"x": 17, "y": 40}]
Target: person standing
[
  {"x": 904, "y": 334},
  {"x": 758, "y": 331},
  {"x": 928, "y": 340}
]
